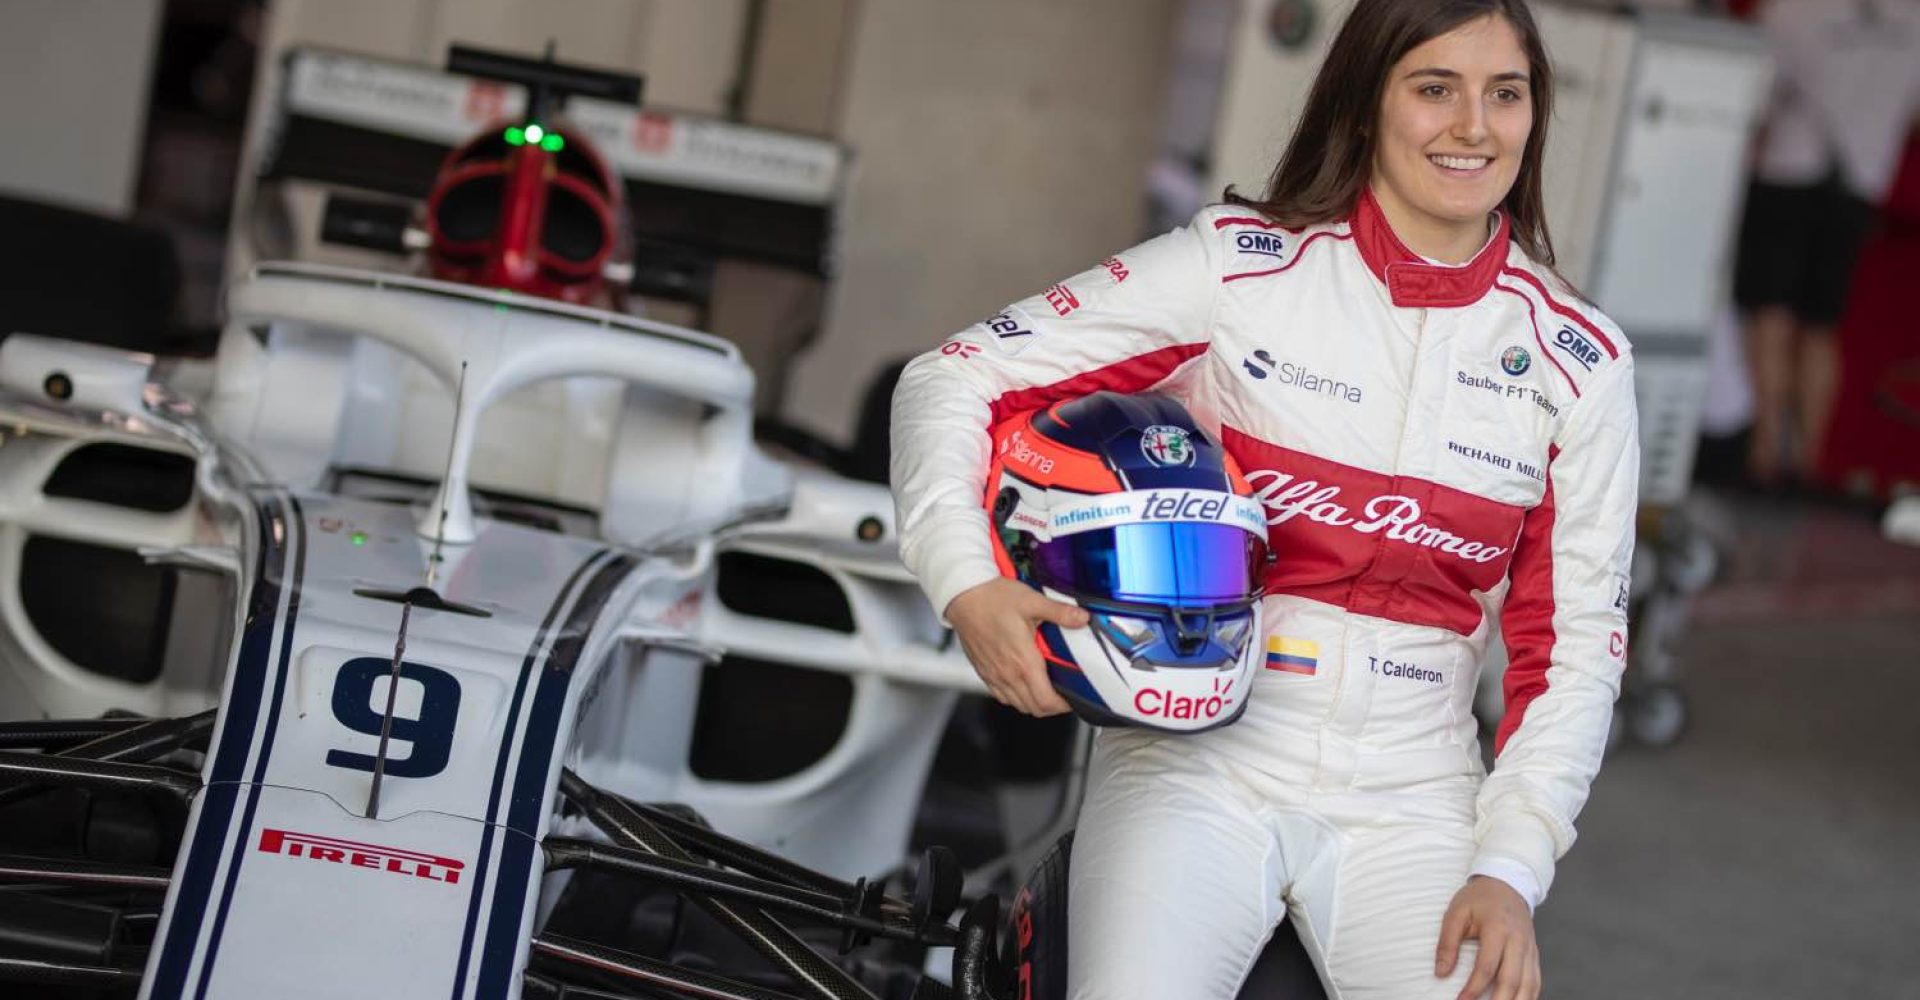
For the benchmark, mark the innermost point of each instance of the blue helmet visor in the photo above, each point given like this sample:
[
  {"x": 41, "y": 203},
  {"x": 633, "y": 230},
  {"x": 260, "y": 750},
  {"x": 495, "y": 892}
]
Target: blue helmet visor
[{"x": 1174, "y": 563}]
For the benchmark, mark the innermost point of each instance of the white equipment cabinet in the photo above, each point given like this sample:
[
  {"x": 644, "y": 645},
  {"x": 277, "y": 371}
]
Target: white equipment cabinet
[{"x": 1663, "y": 249}]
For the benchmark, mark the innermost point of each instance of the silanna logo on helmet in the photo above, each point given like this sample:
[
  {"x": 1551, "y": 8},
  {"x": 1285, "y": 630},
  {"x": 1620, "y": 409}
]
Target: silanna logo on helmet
[
  {"x": 1020, "y": 451},
  {"x": 1398, "y": 516}
]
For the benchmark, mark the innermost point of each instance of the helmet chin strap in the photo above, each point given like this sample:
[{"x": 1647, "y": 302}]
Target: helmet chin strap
[{"x": 1191, "y": 628}]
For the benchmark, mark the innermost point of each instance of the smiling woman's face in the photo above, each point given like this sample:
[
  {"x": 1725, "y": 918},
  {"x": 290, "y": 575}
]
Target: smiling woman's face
[{"x": 1454, "y": 121}]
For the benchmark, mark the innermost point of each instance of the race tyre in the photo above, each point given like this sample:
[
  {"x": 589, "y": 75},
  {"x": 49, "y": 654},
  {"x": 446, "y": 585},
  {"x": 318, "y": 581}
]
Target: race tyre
[{"x": 1037, "y": 927}]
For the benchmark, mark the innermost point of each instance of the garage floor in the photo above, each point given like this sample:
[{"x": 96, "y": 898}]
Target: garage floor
[{"x": 1774, "y": 852}]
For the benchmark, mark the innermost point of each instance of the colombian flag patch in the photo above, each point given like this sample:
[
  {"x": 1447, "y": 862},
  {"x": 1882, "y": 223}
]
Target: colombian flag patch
[{"x": 1295, "y": 656}]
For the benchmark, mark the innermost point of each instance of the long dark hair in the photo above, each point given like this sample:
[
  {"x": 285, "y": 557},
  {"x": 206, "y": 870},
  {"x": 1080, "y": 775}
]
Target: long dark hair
[{"x": 1330, "y": 156}]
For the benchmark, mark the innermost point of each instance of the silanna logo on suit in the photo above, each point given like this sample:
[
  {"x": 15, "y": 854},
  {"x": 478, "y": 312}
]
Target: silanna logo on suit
[{"x": 1261, "y": 365}]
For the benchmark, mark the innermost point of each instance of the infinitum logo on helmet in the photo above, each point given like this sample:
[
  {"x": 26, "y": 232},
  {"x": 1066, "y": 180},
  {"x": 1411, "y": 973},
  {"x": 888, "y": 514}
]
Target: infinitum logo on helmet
[
  {"x": 1165, "y": 446},
  {"x": 1096, "y": 512}
]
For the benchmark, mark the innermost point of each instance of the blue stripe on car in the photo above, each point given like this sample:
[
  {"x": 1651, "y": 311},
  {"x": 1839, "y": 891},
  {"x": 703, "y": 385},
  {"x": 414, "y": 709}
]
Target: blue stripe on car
[
  {"x": 296, "y": 532},
  {"x": 177, "y": 940},
  {"x": 530, "y": 783},
  {"x": 500, "y": 768}
]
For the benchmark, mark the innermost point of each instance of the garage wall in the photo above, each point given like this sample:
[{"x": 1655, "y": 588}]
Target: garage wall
[
  {"x": 1000, "y": 145},
  {"x": 74, "y": 76}
]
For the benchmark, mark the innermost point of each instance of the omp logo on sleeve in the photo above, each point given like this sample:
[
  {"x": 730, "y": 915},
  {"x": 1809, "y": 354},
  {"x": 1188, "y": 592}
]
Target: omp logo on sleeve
[
  {"x": 1265, "y": 244},
  {"x": 1294, "y": 656},
  {"x": 392, "y": 860},
  {"x": 1577, "y": 347}
]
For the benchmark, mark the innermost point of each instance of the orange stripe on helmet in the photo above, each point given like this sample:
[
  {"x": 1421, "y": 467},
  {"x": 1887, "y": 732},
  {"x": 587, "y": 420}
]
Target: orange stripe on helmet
[
  {"x": 1235, "y": 476},
  {"x": 1021, "y": 449}
]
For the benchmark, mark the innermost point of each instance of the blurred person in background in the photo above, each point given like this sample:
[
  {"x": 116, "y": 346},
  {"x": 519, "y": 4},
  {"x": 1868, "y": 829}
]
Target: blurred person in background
[
  {"x": 1846, "y": 89},
  {"x": 1442, "y": 431}
]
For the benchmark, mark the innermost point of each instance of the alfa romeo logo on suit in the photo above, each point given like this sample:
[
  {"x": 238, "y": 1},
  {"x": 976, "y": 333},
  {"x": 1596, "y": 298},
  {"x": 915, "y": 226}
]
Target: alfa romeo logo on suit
[
  {"x": 1166, "y": 446},
  {"x": 1515, "y": 360}
]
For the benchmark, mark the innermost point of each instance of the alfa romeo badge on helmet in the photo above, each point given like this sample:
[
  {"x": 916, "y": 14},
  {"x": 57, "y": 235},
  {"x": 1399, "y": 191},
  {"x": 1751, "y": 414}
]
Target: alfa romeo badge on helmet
[{"x": 1123, "y": 505}]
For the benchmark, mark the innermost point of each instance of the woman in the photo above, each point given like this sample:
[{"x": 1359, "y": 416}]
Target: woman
[
  {"x": 1845, "y": 89},
  {"x": 1442, "y": 432}
]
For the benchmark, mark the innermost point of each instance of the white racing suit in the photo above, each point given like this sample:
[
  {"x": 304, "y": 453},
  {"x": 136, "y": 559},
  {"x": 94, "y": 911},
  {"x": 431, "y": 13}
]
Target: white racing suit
[{"x": 1437, "y": 447}]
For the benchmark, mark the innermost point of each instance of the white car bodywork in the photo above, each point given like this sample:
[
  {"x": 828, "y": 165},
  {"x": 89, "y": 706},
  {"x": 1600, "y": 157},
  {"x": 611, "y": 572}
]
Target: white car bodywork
[{"x": 589, "y": 656}]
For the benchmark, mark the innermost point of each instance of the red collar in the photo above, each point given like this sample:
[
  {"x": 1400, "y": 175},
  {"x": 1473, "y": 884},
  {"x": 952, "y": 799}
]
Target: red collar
[{"x": 1412, "y": 281}]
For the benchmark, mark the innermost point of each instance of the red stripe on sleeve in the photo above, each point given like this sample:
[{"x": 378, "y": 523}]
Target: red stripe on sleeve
[
  {"x": 1534, "y": 317},
  {"x": 1554, "y": 304},
  {"x": 1299, "y": 254},
  {"x": 1132, "y": 375},
  {"x": 1245, "y": 220},
  {"x": 1526, "y": 620}
]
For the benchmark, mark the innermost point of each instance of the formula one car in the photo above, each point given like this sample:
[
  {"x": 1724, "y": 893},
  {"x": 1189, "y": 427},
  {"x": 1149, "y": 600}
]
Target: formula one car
[{"x": 344, "y": 666}]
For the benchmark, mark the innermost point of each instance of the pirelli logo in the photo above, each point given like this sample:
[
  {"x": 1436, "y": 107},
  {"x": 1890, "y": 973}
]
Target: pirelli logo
[{"x": 391, "y": 860}]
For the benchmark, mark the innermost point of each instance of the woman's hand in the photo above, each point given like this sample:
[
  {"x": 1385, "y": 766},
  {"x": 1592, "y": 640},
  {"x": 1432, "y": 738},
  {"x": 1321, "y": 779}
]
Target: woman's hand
[
  {"x": 995, "y": 623},
  {"x": 1490, "y": 911}
]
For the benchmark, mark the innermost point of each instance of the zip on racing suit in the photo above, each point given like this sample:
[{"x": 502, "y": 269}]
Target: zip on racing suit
[{"x": 1438, "y": 448}]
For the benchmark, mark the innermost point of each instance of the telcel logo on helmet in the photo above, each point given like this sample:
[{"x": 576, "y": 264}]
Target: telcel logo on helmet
[{"x": 1184, "y": 507}]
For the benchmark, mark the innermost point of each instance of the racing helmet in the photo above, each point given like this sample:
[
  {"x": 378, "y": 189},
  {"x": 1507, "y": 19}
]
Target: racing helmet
[
  {"x": 530, "y": 208},
  {"x": 1123, "y": 505}
]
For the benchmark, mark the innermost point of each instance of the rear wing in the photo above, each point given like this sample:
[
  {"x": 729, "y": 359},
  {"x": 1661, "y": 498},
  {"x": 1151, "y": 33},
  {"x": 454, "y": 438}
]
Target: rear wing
[{"x": 695, "y": 185}]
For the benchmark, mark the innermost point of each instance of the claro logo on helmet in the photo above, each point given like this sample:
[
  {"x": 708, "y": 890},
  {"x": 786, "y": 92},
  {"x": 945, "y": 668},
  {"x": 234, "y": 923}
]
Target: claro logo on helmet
[
  {"x": 1398, "y": 516},
  {"x": 1155, "y": 703}
]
